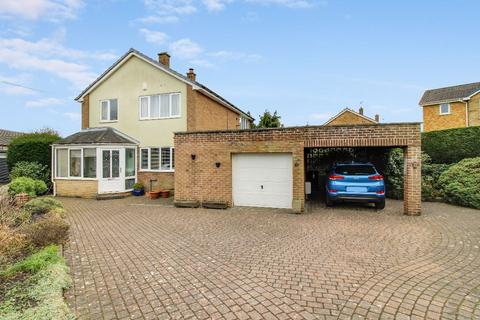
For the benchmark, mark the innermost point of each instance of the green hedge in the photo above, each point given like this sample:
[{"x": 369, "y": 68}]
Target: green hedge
[
  {"x": 461, "y": 183},
  {"x": 453, "y": 145},
  {"x": 33, "y": 147}
]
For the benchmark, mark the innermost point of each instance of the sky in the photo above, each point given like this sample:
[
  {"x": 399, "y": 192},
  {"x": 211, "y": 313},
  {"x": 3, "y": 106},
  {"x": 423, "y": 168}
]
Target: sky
[{"x": 307, "y": 59}]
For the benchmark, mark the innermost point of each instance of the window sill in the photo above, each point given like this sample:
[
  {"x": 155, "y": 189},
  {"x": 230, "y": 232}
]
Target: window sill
[
  {"x": 108, "y": 121},
  {"x": 75, "y": 178},
  {"x": 445, "y": 114},
  {"x": 159, "y": 171},
  {"x": 164, "y": 118}
]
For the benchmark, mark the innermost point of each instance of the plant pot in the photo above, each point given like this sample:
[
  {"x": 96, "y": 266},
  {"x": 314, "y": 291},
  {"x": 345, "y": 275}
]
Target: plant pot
[
  {"x": 165, "y": 193},
  {"x": 154, "y": 194},
  {"x": 138, "y": 192}
]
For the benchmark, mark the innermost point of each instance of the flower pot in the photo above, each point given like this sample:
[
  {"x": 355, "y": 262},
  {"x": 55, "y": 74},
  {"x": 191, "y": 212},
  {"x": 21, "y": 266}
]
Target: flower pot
[
  {"x": 165, "y": 193},
  {"x": 154, "y": 194},
  {"x": 138, "y": 192}
]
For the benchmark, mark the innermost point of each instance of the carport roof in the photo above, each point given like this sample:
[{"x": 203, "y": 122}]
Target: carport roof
[{"x": 101, "y": 135}]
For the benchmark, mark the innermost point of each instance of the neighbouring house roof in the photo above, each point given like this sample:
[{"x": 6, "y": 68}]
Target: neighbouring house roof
[
  {"x": 98, "y": 136},
  {"x": 196, "y": 85},
  {"x": 449, "y": 94},
  {"x": 6, "y": 136},
  {"x": 351, "y": 111}
]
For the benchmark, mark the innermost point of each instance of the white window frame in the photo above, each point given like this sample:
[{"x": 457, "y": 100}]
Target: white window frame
[
  {"x": 69, "y": 176},
  {"x": 445, "y": 113},
  {"x": 70, "y": 163},
  {"x": 172, "y": 150},
  {"x": 109, "y": 113},
  {"x": 170, "y": 116},
  {"x": 244, "y": 123}
]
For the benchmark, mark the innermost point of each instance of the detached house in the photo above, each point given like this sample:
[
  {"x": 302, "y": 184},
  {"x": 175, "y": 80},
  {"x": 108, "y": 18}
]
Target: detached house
[
  {"x": 129, "y": 116},
  {"x": 451, "y": 107}
]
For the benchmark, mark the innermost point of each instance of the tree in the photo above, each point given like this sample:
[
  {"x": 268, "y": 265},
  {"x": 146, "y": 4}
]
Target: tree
[{"x": 268, "y": 120}]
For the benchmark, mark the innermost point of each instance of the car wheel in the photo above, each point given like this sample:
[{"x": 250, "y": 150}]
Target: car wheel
[
  {"x": 329, "y": 202},
  {"x": 380, "y": 205}
]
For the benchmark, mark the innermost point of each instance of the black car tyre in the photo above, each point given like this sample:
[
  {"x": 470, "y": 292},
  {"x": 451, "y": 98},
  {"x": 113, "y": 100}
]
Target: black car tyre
[
  {"x": 380, "y": 205},
  {"x": 329, "y": 202}
]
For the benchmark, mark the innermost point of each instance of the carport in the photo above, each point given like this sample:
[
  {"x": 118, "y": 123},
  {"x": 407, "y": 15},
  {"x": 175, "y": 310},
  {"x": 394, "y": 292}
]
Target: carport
[{"x": 266, "y": 167}]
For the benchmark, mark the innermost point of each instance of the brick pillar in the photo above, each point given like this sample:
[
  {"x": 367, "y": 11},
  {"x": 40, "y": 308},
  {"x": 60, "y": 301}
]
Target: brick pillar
[
  {"x": 412, "y": 188},
  {"x": 86, "y": 112}
]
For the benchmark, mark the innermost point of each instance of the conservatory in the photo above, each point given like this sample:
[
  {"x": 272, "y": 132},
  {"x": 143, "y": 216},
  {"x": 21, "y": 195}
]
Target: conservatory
[{"x": 94, "y": 162}]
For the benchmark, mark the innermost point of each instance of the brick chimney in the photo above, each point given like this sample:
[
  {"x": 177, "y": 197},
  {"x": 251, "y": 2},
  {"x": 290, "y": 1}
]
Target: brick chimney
[
  {"x": 191, "y": 75},
  {"x": 164, "y": 58},
  {"x": 377, "y": 117},
  {"x": 360, "y": 111}
]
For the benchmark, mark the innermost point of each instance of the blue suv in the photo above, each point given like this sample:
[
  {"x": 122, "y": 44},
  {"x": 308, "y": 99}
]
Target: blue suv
[{"x": 356, "y": 182}]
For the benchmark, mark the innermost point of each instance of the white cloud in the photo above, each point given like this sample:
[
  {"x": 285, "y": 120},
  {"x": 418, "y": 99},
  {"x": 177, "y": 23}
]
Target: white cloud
[
  {"x": 74, "y": 116},
  {"x": 167, "y": 11},
  {"x": 186, "y": 49},
  {"x": 49, "y": 55},
  {"x": 158, "y": 19},
  {"x": 235, "y": 56},
  {"x": 215, "y": 5},
  {"x": 53, "y": 10},
  {"x": 153, "y": 36},
  {"x": 289, "y": 3},
  {"x": 45, "y": 102}
]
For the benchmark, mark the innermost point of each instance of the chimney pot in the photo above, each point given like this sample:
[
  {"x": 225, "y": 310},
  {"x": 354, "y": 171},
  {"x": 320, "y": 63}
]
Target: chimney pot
[
  {"x": 360, "y": 111},
  {"x": 164, "y": 58},
  {"x": 191, "y": 74},
  {"x": 377, "y": 117}
]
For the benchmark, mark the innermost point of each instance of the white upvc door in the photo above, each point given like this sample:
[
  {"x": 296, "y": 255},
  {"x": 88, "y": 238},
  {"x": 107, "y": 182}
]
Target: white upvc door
[
  {"x": 262, "y": 180},
  {"x": 112, "y": 170}
]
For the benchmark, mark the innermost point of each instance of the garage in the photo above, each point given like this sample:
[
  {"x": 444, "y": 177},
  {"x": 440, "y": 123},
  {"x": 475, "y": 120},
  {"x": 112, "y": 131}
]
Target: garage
[
  {"x": 231, "y": 167},
  {"x": 262, "y": 180}
]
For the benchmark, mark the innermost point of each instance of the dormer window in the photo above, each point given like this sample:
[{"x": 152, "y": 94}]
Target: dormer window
[
  {"x": 445, "y": 108},
  {"x": 109, "y": 110}
]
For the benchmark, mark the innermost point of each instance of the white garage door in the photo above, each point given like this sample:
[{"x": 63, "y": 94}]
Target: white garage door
[{"x": 262, "y": 180}]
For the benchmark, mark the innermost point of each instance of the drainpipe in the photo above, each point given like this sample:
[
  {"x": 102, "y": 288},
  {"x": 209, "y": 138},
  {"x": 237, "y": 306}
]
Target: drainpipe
[{"x": 53, "y": 171}]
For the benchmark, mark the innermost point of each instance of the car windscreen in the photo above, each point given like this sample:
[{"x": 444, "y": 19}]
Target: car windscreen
[{"x": 355, "y": 170}]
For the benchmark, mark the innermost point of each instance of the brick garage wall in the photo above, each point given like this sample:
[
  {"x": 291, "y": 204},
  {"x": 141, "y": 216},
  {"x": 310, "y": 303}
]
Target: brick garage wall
[
  {"x": 432, "y": 120},
  {"x": 76, "y": 188},
  {"x": 165, "y": 180},
  {"x": 349, "y": 118},
  {"x": 201, "y": 180},
  {"x": 204, "y": 113}
]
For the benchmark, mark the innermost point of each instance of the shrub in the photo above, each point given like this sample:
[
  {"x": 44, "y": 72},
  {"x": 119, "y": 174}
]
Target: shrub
[
  {"x": 452, "y": 145},
  {"x": 35, "y": 262},
  {"x": 32, "y": 170},
  {"x": 461, "y": 183},
  {"x": 12, "y": 244},
  {"x": 27, "y": 185},
  {"x": 394, "y": 174},
  {"x": 33, "y": 147},
  {"x": 138, "y": 186},
  {"x": 49, "y": 230},
  {"x": 44, "y": 205}
]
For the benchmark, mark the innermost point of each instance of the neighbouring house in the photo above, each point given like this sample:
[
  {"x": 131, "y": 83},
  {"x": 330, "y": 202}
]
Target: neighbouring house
[
  {"x": 5, "y": 137},
  {"x": 349, "y": 116},
  {"x": 129, "y": 116},
  {"x": 451, "y": 107}
]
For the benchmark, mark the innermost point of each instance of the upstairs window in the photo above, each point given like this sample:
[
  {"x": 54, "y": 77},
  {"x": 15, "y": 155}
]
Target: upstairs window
[
  {"x": 445, "y": 108},
  {"x": 109, "y": 110},
  {"x": 159, "y": 106}
]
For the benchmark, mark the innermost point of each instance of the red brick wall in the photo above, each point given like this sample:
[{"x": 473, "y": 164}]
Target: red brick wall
[
  {"x": 201, "y": 180},
  {"x": 165, "y": 180}
]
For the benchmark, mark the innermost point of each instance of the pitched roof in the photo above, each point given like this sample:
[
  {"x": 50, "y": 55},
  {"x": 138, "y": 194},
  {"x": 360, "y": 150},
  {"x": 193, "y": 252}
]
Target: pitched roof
[
  {"x": 196, "y": 85},
  {"x": 100, "y": 135},
  {"x": 6, "y": 136},
  {"x": 351, "y": 111},
  {"x": 449, "y": 94}
]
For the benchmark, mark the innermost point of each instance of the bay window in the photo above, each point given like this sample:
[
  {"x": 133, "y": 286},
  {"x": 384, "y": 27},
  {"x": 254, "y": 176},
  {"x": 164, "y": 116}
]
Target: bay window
[
  {"x": 75, "y": 162},
  {"x": 157, "y": 159},
  {"x": 90, "y": 163},
  {"x": 159, "y": 106},
  {"x": 62, "y": 163}
]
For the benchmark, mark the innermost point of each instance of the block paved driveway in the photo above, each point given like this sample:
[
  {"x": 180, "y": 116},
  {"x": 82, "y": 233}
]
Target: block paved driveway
[{"x": 133, "y": 260}]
